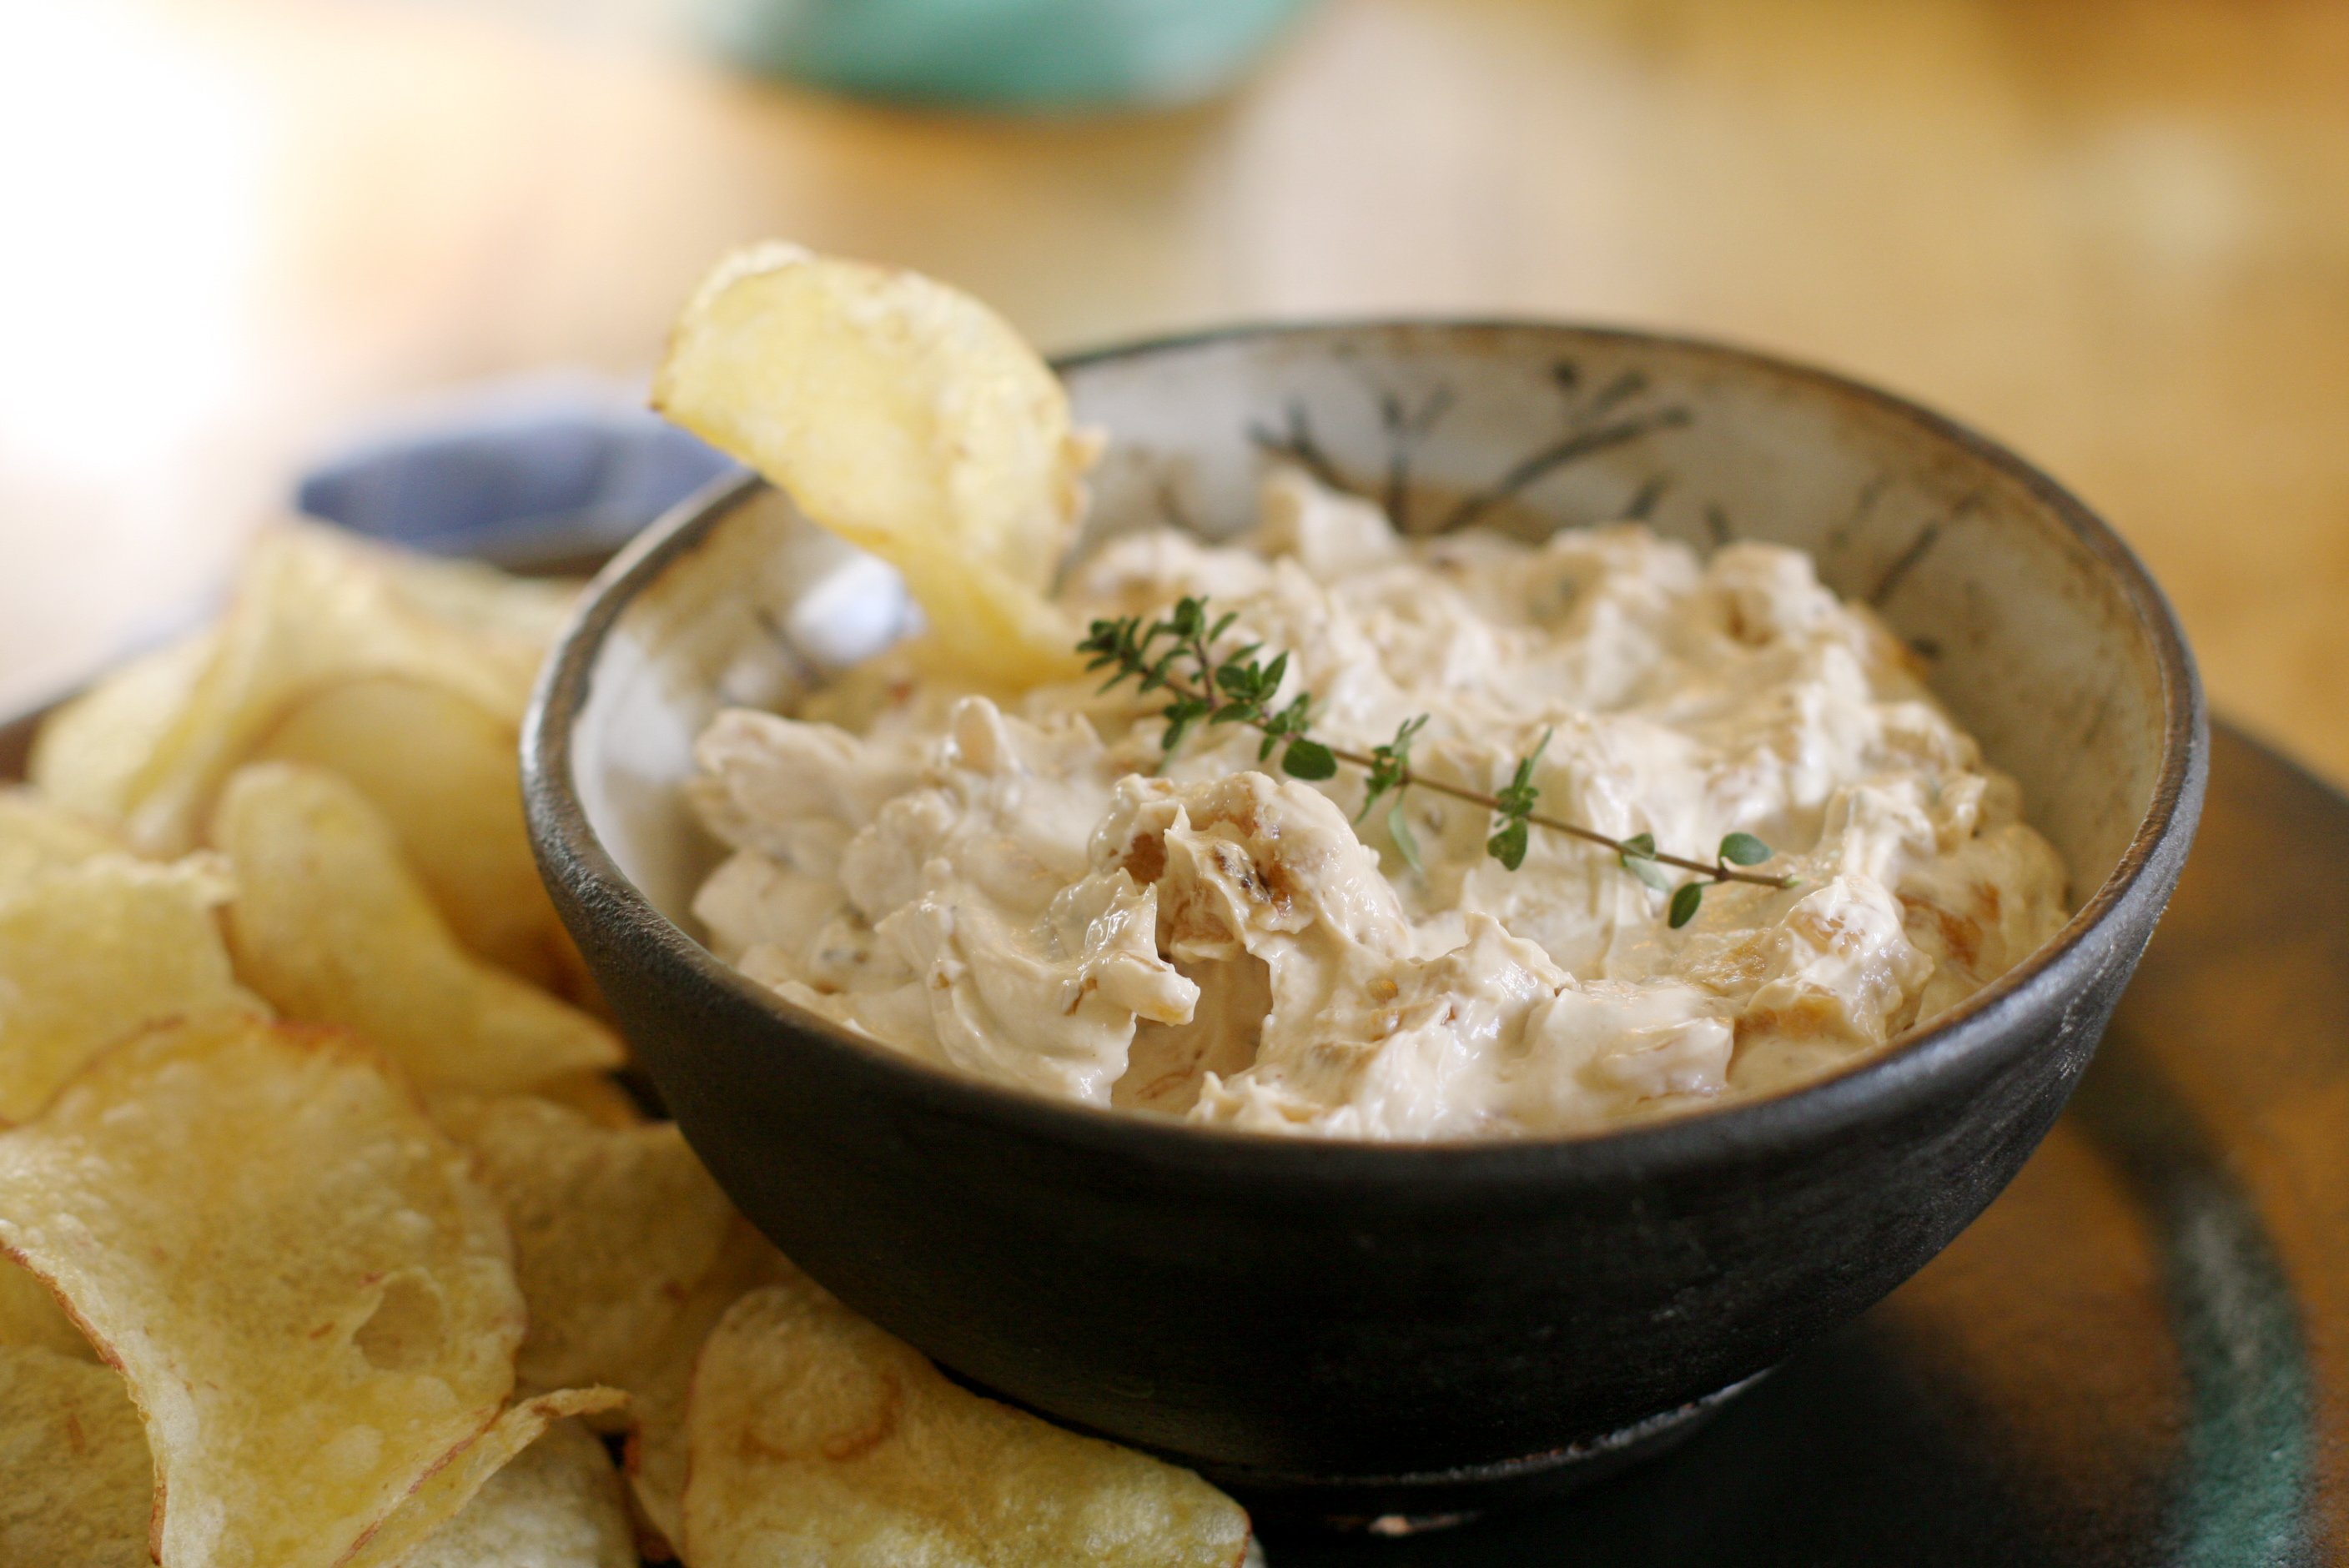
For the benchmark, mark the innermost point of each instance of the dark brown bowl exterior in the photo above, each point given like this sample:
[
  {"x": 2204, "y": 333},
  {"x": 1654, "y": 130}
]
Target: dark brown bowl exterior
[{"x": 1342, "y": 1326}]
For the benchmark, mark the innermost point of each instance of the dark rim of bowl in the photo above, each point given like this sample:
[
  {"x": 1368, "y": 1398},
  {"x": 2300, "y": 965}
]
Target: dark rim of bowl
[{"x": 1904, "y": 1070}]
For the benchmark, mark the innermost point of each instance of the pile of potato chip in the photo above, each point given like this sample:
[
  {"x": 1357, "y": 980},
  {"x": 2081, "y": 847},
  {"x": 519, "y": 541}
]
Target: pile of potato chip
[{"x": 330, "y": 1239}]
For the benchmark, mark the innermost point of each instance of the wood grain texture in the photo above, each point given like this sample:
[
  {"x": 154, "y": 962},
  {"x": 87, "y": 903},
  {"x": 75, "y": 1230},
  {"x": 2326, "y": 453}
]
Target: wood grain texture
[{"x": 2115, "y": 232}]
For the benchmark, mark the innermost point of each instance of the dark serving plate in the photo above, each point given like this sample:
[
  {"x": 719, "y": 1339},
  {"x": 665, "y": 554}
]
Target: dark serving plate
[{"x": 2137, "y": 1355}]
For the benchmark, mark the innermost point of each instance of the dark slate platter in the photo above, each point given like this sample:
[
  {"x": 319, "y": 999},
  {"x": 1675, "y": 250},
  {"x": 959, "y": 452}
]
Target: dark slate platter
[{"x": 2139, "y": 1356}]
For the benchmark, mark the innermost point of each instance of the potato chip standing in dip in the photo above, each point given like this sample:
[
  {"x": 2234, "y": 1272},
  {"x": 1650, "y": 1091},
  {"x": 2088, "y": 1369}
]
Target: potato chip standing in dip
[{"x": 909, "y": 419}]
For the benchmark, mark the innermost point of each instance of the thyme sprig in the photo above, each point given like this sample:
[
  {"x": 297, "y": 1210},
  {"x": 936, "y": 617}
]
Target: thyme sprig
[{"x": 1176, "y": 653}]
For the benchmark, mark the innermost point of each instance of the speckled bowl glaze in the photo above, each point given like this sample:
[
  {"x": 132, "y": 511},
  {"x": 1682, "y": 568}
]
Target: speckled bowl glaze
[{"x": 1353, "y": 1328}]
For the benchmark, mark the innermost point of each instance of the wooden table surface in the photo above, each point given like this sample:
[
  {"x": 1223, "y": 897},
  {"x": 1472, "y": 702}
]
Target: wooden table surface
[{"x": 2115, "y": 232}]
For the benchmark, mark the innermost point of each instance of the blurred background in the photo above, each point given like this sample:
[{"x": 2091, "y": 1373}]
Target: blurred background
[{"x": 2114, "y": 233}]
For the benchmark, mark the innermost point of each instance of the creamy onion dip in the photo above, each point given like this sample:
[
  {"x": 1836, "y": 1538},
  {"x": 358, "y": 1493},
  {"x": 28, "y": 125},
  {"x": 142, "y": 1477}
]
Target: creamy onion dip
[{"x": 1015, "y": 887}]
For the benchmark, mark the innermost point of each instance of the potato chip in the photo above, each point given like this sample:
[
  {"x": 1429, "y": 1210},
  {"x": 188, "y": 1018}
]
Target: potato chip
[
  {"x": 31, "y": 1317},
  {"x": 448, "y": 1491},
  {"x": 598, "y": 1096},
  {"x": 662, "y": 1379},
  {"x": 559, "y": 1504},
  {"x": 816, "y": 1437},
  {"x": 89, "y": 755},
  {"x": 37, "y": 838},
  {"x": 311, "y": 1296},
  {"x": 312, "y": 609},
  {"x": 442, "y": 769},
  {"x": 92, "y": 952},
  {"x": 612, "y": 1229},
  {"x": 905, "y": 416},
  {"x": 516, "y": 615},
  {"x": 77, "y": 1486},
  {"x": 329, "y": 924}
]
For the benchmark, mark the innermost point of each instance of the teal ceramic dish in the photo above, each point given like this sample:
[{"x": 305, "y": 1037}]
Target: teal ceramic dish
[{"x": 1034, "y": 54}]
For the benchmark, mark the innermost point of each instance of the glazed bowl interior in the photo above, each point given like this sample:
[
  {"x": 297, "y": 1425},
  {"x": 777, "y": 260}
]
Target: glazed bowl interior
[{"x": 2038, "y": 629}]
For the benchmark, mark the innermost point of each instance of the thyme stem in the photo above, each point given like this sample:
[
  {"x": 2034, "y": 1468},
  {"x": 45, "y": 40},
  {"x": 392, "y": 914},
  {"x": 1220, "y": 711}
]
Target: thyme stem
[
  {"x": 1240, "y": 688},
  {"x": 1411, "y": 779}
]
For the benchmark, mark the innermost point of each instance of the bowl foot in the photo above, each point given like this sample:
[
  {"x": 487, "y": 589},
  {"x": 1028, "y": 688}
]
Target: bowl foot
[{"x": 1414, "y": 1502}]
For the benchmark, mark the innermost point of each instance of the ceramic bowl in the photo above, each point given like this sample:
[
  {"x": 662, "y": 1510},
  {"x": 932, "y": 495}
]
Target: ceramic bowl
[{"x": 1345, "y": 1328}]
